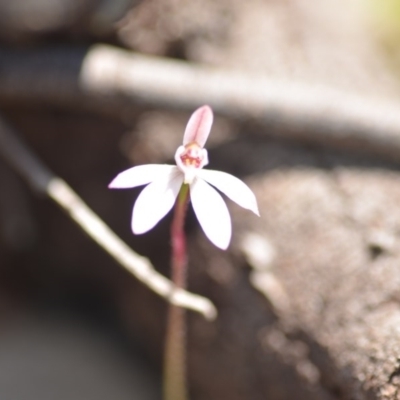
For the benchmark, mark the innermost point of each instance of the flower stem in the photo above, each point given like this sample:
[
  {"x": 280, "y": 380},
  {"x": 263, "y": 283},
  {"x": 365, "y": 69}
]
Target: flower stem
[{"x": 175, "y": 345}]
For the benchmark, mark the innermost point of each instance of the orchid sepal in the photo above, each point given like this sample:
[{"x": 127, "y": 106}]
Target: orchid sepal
[{"x": 164, "y": 183}]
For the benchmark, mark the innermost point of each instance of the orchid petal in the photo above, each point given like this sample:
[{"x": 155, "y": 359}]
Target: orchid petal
[
  {"x": 140, "y": 175},
  {"x": 155, "y": 201},
  {"x": 199, "y": 126},
  {"x": 212, "y": 213},
  {"x": 232, "y": 187}
]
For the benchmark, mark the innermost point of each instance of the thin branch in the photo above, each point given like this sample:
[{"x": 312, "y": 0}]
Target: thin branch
[
  {"x": 44, "y": 181},
  {"x": 109, "y": 79}
]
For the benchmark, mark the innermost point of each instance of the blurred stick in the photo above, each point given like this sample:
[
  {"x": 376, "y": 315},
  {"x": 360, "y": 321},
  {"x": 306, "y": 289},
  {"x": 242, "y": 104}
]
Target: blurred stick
[
  {"x": 44, "y": 181},
  {"x": 109, "y": 79}
]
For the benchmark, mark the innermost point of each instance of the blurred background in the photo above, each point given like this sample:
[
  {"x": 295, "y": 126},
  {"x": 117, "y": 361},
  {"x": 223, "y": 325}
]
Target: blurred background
[{"x": 299, "y": 290}]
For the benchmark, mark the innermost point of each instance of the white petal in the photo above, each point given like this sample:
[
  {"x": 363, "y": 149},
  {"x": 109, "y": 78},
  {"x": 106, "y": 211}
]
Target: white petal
[
  {"x": 199, "y": 126},
  {"x": 212, "y": 213},
  {"x": 232, "y": 187},
  {"x": 140, "y": 175},
  {"x": 155, "y": 201}
]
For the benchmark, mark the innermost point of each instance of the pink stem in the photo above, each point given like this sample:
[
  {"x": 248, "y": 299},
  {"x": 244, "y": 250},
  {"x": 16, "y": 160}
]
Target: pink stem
[{"x": 175, "y": 346}]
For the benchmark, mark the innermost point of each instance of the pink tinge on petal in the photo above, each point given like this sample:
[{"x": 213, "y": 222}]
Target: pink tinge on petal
[
  {"x": 190, "y": 162},
  {"x": 199, "y": 126}
]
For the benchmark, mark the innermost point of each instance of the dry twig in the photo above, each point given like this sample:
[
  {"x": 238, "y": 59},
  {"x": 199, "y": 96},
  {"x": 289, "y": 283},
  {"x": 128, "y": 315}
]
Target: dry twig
[
  {"x": 115, "y": 80},
  {"x": 44, "y": 181}
]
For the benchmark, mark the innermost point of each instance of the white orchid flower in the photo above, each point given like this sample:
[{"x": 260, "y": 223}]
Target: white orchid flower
[{"x": 164, "y": 183}]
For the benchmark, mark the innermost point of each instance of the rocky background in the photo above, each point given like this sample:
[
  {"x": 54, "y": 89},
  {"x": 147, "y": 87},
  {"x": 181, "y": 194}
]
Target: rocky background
[{"x": 307, "y": 295}]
